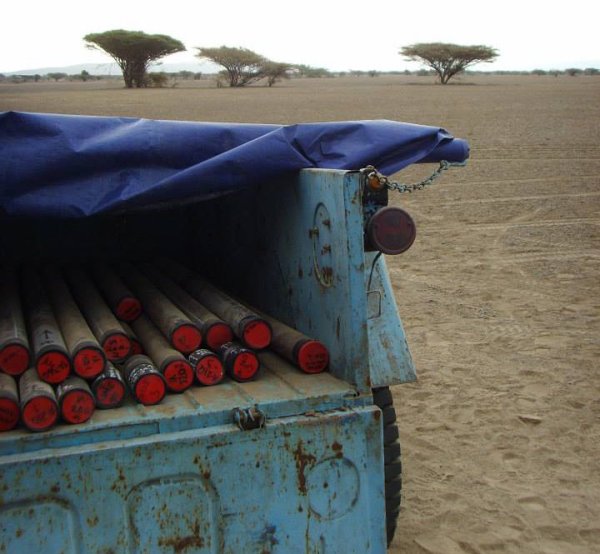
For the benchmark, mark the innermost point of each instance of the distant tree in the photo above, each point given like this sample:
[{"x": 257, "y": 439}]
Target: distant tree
[
  {"x": 133, "y": 51},
  {"x": 539, "y": 72},
  {"x": 197, "y": 75},
  {"x": 85, "y": 75},
  {"x": 242, "y": 66},
  {"x": 309, "y": 71},
  {"x": 57, "y": 76},
  {"x": 573, "y": 71},
  {"x": 591, "y": 71},
  {"x": 448, "y": 59},
  {"x": 276, "y": 71}
]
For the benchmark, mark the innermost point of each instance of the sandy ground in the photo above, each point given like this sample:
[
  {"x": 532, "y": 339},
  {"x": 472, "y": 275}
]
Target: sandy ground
[{"x": 499, "y": 295}]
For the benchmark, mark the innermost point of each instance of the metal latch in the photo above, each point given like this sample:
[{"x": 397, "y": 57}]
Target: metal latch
[{"x": 249, "y": 418}]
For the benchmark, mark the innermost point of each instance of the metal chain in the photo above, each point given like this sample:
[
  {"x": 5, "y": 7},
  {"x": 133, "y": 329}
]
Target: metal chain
[{"x": 401, "y": 187}]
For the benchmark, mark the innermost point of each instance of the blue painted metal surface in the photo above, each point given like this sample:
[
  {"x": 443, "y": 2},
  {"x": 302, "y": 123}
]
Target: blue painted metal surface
[
  {"x": 304, "y": 484},
  {"x": 390, "y": 361}
]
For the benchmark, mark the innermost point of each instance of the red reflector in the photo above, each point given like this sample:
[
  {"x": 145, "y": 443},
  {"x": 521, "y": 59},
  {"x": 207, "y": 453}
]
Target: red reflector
[{"x": 391, "y": 230}]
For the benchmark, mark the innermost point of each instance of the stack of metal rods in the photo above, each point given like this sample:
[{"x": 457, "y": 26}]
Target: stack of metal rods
[{"x": 73, "y": 339}]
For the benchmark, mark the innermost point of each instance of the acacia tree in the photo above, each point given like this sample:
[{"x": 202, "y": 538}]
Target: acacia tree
[
  {"x": 243, "y": 66},
  {"x": 133, "y": 51},
  {"x": 448, "y": 59},
  {"x": 276, "y": 71}
]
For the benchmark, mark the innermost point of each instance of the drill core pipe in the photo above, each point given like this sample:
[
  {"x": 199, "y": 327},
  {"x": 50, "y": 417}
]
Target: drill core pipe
[
  {"x": 109, "y": 388},
  {"x": 76, "y": 402},
  {"x": 120, "y": 299},
  {"x": 310, "y": 355},
  {"x": 176, "y": 370},
  {"x": 182, "y": 333},
  {"x": 50, "y": 353},
  {"x": 39, "y": 410},
  {"x": 215, "y": 331},
  {"x": 10, "y": 412},
  {"x": 105, "y": 326},
  {"x": 250, "y": 328},
  {"x": 15, "y": 356},
  {"x": 87, "y": 354},
  {"x": 145, "y": 382}
]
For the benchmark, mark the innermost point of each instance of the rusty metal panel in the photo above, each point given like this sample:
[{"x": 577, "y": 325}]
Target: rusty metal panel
[{"x": 302, "y": 484}]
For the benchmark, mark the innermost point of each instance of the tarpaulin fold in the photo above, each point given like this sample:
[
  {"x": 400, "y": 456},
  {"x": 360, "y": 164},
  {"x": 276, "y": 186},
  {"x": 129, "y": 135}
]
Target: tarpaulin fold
[{"x": 77, "y": 166}]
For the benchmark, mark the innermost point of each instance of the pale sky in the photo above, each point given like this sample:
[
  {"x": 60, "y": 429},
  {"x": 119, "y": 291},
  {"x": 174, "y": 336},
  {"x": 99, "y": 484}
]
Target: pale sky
[{"x": 337, "y": 35}]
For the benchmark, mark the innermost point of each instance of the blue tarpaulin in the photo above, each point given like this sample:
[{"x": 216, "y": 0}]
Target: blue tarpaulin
[{"x": 77, "y": 166}]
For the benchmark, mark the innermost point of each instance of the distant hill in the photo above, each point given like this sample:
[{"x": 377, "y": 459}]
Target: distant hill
[{"x": 113, "y": 69}]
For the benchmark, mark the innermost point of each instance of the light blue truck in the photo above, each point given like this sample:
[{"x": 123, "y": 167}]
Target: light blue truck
[{"x": 287, "y": 463}]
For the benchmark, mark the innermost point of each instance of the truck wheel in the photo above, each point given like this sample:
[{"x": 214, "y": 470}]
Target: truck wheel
[{"x": 392, "y": 459}]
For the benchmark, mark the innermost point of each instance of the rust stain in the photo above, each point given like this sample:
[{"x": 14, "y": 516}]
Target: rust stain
[
  {"x": 338, "y": 449},
  {"x": 181, "y": 544},
  {"x": 92, "y": 521},
  {"x": 302, "y": 460},
  {"x": 119, "y": 484}
]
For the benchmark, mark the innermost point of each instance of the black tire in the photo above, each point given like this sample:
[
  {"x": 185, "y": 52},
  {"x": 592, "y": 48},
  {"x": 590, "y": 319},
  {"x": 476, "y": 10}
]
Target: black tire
[{"x": 382, "y": 398}]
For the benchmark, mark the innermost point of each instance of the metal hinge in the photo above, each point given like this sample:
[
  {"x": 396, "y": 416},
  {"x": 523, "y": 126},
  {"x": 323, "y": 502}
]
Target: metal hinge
[{"x": 249, "y": 418}]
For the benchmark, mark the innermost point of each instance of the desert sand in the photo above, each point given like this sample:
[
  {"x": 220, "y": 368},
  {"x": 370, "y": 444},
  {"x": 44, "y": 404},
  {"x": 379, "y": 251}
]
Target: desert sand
[{"x": 500, "y": 297}]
